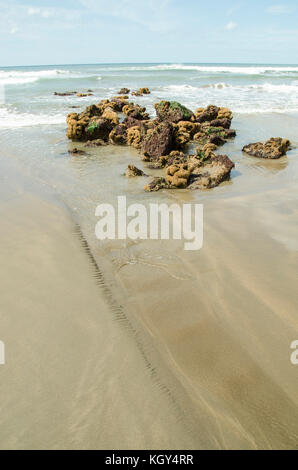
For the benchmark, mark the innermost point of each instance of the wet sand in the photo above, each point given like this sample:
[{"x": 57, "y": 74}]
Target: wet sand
[
  {"x": 226, "y": 317},
  {"x": 74, "y": 377},
  {"x": 142, "y": 344}
]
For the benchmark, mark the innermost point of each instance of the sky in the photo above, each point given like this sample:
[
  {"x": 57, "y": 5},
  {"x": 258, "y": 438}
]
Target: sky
[{"x": 44, "y": 32}]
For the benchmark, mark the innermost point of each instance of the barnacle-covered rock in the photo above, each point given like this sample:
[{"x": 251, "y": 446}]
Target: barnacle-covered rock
[
  {"x": 159, "y": 141},
  {"x": 172, "y": 111},
  {"x": 177, "y": 175},
  {"x": 133, "y": 171},
  {"x": 118, "y": 135},
  {"x": 124, "y": 91},
  {"x": 212, "y": 113},
  {"x": 134, "y": 137},
  {"x": 141, "y": 92},
  {"x": 206, "y": 151},
  {"x": 110, "y": 115},
  {"x": 274, "y": 148},
  {"x": 211, "y": 173},
  {"x": 156, "y": 184}
]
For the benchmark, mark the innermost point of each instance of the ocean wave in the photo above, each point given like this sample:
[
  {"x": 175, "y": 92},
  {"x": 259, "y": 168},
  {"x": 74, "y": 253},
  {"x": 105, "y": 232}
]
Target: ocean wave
[
  {"x": 17, "y": 77},
  {"x": 217, "y": 69},
  {"x": 246, "y": 70},
  {"x": 17, "y": 81},
  {"x": 12, "y": 119},
  {"x": 267, "y": 87},
  {"x": 242, "y": 99},
  {"x": 264, "y": 110}
]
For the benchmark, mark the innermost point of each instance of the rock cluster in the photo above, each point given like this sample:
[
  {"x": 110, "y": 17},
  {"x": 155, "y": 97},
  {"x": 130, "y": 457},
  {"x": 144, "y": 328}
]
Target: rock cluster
[
  {"x": 161, "y": 140},
  {"x": 274, "y": 148},
  {"x": 65, "y": 93},
  {"x": 141, "y": 92},
  {"x": 124, "y": 91}
]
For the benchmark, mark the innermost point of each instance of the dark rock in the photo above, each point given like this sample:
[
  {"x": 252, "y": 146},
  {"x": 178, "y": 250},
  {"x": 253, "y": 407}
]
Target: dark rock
[
  {"x": 172, "y": 111},
  {"x": 118, "y": 103},
  {"x": 124, "y": 91},
  {"x": 133, "y": 171},
  {"x": 160, "y": 141},
  {"x": 65, "y": 93},
  {"x": 156, "y": 184},
  {"x": 76, "y": 151},
  {"x": 132, "y": 122},
  {"x": 230, "y": 133},
  {"x": 212, "y": 113},
  {"x": 208, "y": 115},
  {"x": 216, "y": 140},
  {"x": 225, "y": 123},
  {"x": 135, "y": 111},
  {"x": 95, "y": 143},
  {"x": 141, "y": 92},
  {"x": 118, "y": 135},
  {"x": 274, "y": 148},
  {"x": 144, "y": 91},
  {"x": 98, "y": 129},
  {"x": 175, "y": 158}
]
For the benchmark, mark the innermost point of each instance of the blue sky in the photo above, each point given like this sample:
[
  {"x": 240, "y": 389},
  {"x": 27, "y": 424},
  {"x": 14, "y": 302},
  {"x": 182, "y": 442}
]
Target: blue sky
[{"x": 93, "y": 31}]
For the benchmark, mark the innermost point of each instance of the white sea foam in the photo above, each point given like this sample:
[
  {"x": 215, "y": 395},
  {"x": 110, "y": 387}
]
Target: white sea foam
[
  {"x": 13, "y": 119},
  {"x": 249, "y": 98},
  {"x": 18, "y": 77},
  {"x": 214, "y": 69},
  {"x": 246, "y": 70},
  {"x": 267, "y": 87}
]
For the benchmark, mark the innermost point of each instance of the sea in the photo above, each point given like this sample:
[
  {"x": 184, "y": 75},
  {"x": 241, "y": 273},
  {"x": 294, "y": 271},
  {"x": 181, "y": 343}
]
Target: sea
[{"x": 28, "y": 97}]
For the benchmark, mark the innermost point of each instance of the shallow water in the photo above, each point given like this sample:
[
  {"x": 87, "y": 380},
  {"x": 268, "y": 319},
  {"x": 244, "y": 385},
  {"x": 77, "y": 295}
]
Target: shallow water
[
  {"x": 206, "y": 335},
  {"x": 26, "y": 93}
]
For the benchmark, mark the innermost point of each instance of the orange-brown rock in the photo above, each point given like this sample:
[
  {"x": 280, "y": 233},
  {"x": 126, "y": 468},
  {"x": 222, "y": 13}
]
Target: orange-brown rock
[
  {"x": 110, "y": 115},
  {"x": 211, "y": 173},
  {"x": 132, "y": 171},
  {"x": 134, "y": 137},
  {"x": 274, "y": 148},
  {"x": 177, "y": 175},
  {"x": 156, "y": 184}
]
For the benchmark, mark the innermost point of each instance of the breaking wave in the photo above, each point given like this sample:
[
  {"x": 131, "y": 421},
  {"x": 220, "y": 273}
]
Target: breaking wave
[{"x": 13, "y": 119}]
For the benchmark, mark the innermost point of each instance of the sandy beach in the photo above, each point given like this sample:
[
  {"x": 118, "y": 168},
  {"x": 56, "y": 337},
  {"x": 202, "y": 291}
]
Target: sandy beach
[
  {"x": 139, "y": 344},
  {"x": 199, "y": 344},
  {"x": 74, "y": 377}
]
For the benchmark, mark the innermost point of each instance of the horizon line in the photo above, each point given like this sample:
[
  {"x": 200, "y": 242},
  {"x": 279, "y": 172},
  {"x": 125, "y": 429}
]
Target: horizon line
[{"x": 151, "y": 63}]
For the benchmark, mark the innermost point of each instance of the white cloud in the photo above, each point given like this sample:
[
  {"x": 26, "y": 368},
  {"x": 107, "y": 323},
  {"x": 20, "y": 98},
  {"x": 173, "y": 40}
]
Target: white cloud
[
  {"x": 43, "y": 12},
  {"x": 278, "y": 9},
  {"x": 231, "y": 25},
  {"x": 14, "y": 30}
]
